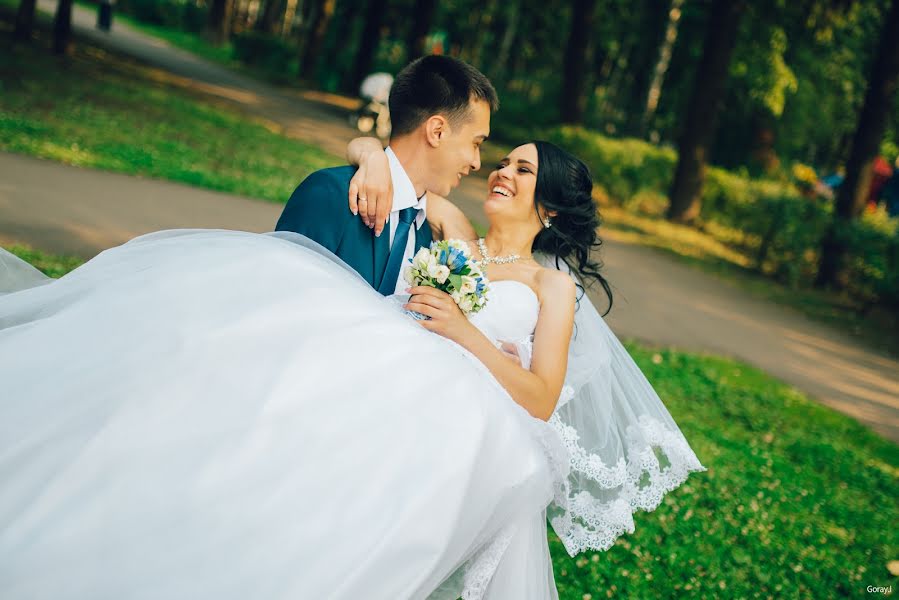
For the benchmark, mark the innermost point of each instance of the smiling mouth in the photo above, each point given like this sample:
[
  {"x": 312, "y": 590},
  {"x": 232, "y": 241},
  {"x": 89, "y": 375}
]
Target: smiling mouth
[{"x": 501, "y": 191}]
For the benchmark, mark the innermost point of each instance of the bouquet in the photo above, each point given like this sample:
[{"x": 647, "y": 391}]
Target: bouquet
[{"x": 447, "y": 265}]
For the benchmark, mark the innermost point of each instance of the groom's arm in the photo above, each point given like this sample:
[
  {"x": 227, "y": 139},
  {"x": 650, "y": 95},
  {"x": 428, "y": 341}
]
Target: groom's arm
[{"x": 318, "y": 210}]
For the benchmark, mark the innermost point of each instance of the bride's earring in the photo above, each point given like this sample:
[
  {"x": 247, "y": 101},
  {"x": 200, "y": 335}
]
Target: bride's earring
[{"x": 547, "y": 223}]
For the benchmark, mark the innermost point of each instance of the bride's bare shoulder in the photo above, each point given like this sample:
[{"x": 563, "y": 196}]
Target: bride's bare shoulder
[
  {"x": 447, "y": 220},
  {"x": 554, "y": 285}
]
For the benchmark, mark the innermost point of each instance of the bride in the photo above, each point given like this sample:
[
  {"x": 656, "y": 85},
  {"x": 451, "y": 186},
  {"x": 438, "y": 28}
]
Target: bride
[{"x": 231, "y": 415}]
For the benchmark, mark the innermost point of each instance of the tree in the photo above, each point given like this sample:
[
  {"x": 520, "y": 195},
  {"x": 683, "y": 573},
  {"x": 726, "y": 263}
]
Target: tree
[
  {"x": 698, "y": 130},
  {"x": 219, "y": 22},
  {"x": 500, "y": 67},
  {"x": 872, "y": 124},
  {"x": 62, "y": 27},
  {"x": 421, "y": 24},
  {"x": 24, "y": 21},
  {"x": 319, "y": 20},
  {"x": 368, "y": 43},
  {"x": 661, "y": 66},
  {"x": 574, "y": 65},
  {"x": 272, "y": 10}
]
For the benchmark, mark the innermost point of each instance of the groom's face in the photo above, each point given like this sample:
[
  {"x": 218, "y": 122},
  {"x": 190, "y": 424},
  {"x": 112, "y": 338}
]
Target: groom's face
[{"x": 459, "y": 152}]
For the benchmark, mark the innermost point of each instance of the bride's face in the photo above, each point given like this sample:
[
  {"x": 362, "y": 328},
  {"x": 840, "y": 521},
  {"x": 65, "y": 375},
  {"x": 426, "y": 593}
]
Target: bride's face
[{"x": 511, "y": 185}]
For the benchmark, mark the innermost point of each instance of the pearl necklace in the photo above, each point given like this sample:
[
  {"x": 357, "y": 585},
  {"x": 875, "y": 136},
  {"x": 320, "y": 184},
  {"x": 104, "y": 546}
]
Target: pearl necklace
[{"x": 486, "y": 259}]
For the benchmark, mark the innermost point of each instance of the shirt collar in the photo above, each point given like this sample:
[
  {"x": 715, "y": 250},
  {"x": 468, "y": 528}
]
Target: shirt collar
[{"x": 404, "y": 191}]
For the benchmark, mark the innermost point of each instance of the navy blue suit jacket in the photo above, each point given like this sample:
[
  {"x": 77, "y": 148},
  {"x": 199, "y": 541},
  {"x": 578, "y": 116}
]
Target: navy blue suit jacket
[{"x": 319, "y": 209}]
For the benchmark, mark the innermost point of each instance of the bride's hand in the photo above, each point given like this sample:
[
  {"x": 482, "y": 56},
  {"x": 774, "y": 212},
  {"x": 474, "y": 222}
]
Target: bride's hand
[
  {"x": 447, "y": 318},
  {"x": 371, "y": 189}
]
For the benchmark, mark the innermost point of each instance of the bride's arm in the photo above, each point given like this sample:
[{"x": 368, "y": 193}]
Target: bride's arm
[
  {"x": 371, "y": 194},
  {"x": 371, "y": 188},
  {"x": 537, "y": 389}
]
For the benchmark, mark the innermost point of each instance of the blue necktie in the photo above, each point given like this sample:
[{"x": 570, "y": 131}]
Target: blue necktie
[{"x": 397, "y": 250}]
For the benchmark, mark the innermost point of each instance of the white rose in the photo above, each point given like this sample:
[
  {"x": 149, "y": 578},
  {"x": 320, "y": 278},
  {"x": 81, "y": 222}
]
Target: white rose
[
  {"x": 408, "y": 275},
  {"x": 458, "y": 244},
  {"x": 466, "y": 304},
  {"x": 456, "y": 296},
  {"x": 442, "y": 272},
  {"x": 469, "y": 285},
  {"x": 421, "y": 258}
]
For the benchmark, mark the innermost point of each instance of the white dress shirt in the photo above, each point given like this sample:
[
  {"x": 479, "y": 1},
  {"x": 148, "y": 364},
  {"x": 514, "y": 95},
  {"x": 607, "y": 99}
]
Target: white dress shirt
[{"x": 404, "y": 197}]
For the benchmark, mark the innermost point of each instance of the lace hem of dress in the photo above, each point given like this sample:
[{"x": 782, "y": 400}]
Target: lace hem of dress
[
  {"x": 483, "y": 566},
  {"x": 585, "y": 522}
]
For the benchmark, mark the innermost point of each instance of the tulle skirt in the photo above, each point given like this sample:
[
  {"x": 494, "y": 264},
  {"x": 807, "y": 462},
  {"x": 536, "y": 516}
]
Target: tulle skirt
[{"x": 211, "y": 414}]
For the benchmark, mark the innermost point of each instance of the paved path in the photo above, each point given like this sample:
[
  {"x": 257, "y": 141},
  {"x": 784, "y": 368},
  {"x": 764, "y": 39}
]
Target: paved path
[{"x": 658, "y": 299}]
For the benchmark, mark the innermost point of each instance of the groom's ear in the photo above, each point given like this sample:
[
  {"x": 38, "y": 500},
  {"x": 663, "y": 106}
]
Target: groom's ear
[{"x": 436, "y": 129}]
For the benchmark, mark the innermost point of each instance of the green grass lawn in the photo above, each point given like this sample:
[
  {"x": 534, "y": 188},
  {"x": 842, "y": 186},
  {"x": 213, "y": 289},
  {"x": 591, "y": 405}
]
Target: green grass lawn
[
  {"x": 95, "y": 109},
  {"x": 799, "y": 501}
]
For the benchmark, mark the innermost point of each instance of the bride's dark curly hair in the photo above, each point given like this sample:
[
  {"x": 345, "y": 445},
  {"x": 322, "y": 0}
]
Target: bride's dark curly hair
[{"x": 564, "y": 186}]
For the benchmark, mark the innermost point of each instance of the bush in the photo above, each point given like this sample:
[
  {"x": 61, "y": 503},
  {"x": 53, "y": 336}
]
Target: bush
[
  {"x": 873, "y": 266},
  {"x": 622, "y": 167},
  {"x": 269, "y": 53}
]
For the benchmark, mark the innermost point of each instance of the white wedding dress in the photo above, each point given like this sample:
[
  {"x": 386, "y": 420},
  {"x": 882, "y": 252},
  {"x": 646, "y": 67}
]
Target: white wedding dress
[{"x": 213, "y": 414}]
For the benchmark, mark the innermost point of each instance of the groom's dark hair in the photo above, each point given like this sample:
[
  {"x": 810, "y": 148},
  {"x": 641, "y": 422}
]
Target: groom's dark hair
[{"x": 435, "y": 85}]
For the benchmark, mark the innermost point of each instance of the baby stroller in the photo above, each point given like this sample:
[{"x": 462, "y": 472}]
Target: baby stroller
[{"x": 374, "y": 114}]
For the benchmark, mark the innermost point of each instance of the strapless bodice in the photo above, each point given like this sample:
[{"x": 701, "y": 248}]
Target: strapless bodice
[{"x": 511, "y": 312}]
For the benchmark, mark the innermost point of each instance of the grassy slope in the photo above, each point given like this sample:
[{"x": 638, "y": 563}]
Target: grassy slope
[{"x": 95, "y": 109}]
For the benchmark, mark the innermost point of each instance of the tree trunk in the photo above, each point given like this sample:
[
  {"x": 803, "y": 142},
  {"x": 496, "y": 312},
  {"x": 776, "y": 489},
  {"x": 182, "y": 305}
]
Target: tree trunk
[
  {"x": 346, "y": 19},
  {"x": 872, "y": 123},
  {"x": 290, "y": 13},
  {"x": 24, "y": 21},
  {"x": 574, "y": 69},
  {"x": 702, "y": 108},
  {"x": 501, "y": 65},
  {"x": 62, "y": 27},
  {"x": 421, "y": 25},
  {"x": 661, "y": 67},
  {"x": 219, "y": 22},
  {"x": 268, "y": 20},
  {"x": 321, "y": 19},
  {"x": 240, "y": 15},
  {"x": 480, "y": 47},
  {"x": 368, "y": 43}
]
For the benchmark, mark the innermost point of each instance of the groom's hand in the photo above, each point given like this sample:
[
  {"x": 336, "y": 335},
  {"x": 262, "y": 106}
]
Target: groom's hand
[
  {"x": 371, "y": 191},
  {"x": 510, "y": 351}
]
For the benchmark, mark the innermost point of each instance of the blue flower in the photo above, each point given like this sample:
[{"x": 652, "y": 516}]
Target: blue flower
[{"x": 456, "y": 259}]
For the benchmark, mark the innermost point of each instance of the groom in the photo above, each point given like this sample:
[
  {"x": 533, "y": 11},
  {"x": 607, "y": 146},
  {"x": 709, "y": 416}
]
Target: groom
[{"x": 440, "y": 111}]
